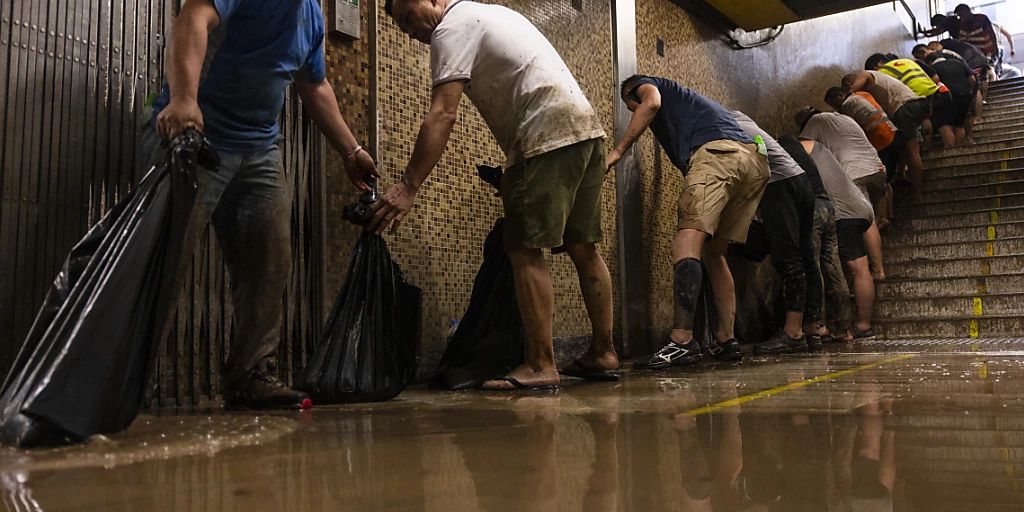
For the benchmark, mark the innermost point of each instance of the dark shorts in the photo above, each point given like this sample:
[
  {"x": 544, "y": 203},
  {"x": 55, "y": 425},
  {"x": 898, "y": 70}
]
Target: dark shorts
[
  {"x": 962, "y": 109},
  {"x": 850, "y": 235},
  {"x": 909, "y": 117},
  {"x": 554, "y": 198},
  {"x": 943, "y": 110}
]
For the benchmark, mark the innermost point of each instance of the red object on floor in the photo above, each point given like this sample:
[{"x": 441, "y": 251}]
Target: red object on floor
[{"x": 306, "y": 404}]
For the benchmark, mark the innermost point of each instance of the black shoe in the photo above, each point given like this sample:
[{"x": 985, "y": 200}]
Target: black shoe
[
  {"x": 672, "y": 354},
  {"x": 864, "y": 335},
  {"x": 814, "y": 342},
  {"x": 261, "y": 391},
  {"x": 728, "y": 351},
  {"x": 780, "y": 343}
]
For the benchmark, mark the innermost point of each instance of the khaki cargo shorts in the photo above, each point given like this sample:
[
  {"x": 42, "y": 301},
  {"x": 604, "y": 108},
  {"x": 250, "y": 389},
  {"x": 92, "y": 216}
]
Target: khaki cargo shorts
[
  {"x": 554, "y": 198},
  {"x": 722, "y": 189}
]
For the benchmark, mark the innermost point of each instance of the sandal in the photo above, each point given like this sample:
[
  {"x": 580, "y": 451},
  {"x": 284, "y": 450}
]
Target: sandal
[
  {"x": 581, "y": 371},
  {"x": 518, "y": 386}
]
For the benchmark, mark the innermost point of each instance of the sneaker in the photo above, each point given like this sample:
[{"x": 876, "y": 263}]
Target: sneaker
[
  {"x": 780, "y": 343},
  {"x": 672, "y": 354},
  {"x": 814, "y": 342},
  {"x": 864, "y": 335},
  {"x": 262, "y": 391},
  {"x": 728, "y": 351}
]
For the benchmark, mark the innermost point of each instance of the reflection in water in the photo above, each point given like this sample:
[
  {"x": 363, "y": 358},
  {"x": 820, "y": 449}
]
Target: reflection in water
[
  {"x": 850, "y": 446},
  {"x": 544, "y": 453}
]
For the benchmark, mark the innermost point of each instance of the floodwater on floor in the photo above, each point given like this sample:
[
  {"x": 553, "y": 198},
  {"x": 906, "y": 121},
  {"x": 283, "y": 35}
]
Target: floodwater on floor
[{"x": 885, "y": 426}]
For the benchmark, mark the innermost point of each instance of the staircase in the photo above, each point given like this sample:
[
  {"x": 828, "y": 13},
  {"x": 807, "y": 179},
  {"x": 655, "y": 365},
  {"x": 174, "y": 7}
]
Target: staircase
[{"x": 955, "y": 264}]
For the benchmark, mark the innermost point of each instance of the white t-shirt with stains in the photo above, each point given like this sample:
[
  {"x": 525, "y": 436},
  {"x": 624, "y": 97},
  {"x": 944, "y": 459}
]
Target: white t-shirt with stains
[{"x": 515, "y": 78}]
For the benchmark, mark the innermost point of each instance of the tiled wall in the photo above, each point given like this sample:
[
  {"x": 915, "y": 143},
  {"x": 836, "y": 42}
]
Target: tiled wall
[{"x": 439, "y": 246}]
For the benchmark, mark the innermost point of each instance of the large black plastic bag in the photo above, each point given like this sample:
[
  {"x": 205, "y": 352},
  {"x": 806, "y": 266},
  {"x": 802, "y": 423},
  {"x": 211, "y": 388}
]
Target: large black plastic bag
[
  {"x": 368, "y": 352},
  {"x": 489, "y": 341},
  {"x": 83, "y": 367}
]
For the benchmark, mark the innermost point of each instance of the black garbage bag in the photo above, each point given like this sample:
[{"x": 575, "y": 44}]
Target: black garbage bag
[
  {"x": 489, "y": 341},
  {"x": 82, "y": 369},
  {"x": 368, "y": 350}
]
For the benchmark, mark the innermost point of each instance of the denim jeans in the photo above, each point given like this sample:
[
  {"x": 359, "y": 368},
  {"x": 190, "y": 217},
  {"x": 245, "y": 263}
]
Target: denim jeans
[
  {"x": 248, "y": 200},
  {"x": 837, "y": 309}
]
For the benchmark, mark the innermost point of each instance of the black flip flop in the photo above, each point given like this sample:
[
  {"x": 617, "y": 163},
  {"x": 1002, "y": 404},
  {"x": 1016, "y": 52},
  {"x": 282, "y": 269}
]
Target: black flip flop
[
  {"x": 581, "y": 371},
  {"x": 519, "y": 386}
]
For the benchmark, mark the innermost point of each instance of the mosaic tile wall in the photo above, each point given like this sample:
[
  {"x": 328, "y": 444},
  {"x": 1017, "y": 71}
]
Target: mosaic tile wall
[
  {"x": 769, "y": 83},
  {"x": 439, "y": 245},
  {"x": 348, "y": 70}
]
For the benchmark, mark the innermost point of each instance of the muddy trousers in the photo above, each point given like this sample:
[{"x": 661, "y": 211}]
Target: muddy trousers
[
  {"x": 830, "y": 270},
  {"x": 787, "y": 209},
  {"x": 248, "y": 202}
]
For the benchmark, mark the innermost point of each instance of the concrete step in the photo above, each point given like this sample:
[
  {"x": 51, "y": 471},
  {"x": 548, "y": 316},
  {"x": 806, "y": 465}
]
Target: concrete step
[
  {"x": 982, "y": 164},
  {"x": 960, "y": 326},
  {"x": 993, "y": 145},
  {"x": 957, "y": 267},
  {"x": 954, "y": 250},
  {"x": 896, "y": 288},
  {"x": 960, "y": 233},
  {"x": 1008, "y": 104},
  {"x": 970, "y": 191},
  {"x": 968, "y": 155},
  {"x": 996, "y": 118},
  {"x": 980, "y": 178},
  {"x": 1002, "y": 84},
  {"x": 1005, "y": 92},
  {"x": 940, "y": 307},
  {"x": 975, "y": 204},
  {"x": 911, "y": 220},
  {"x": 980, "y": 132}
]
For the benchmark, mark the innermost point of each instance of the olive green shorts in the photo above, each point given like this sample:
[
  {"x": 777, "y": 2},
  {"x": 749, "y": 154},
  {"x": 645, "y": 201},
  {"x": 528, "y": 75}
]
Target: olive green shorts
[{"x": 554, "y": 198}]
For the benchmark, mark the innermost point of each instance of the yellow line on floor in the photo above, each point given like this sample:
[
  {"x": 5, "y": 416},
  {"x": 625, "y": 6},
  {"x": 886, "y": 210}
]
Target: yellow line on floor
[{"x": 795, "y": 385}]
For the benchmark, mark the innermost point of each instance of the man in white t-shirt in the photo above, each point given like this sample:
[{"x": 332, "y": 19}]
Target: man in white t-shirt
[{"x": 554, "y": 144}]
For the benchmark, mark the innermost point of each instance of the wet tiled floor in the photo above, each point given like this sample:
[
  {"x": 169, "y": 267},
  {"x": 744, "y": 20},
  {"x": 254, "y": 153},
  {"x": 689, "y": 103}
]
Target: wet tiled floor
[{"x": 900, "y": 426}]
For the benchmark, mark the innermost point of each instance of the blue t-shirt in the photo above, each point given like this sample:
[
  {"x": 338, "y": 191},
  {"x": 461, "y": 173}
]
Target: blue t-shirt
[
  {"x": 265, "y": 43},
  {"x": 688, "y": 120}
]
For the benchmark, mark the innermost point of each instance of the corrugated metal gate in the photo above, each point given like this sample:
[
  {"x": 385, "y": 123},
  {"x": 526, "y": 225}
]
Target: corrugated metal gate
[{"x": 76, "y": 75}]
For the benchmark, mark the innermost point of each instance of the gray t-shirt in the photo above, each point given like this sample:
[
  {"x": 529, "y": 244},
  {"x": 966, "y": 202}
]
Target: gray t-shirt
[
  {"x": 846, "y": 140},
  {"x": 782, "y": 165},
  {"x": 849, "y": 202}
]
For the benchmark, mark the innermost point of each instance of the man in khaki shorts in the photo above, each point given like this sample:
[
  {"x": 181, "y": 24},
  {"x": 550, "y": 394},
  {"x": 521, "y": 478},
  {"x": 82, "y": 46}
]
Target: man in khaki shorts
[
  {"x": 554, "y": 143},
  {"x": 725, "y": 175}
]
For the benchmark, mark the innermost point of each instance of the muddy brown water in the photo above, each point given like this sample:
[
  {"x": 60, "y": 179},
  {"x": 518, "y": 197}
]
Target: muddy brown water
[{"x": 892, "y": 427}]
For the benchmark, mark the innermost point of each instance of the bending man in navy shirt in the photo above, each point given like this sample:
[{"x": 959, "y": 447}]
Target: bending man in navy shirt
[
  {"x": 257, "y": 48},
  {"x": 724, "y": 177}
]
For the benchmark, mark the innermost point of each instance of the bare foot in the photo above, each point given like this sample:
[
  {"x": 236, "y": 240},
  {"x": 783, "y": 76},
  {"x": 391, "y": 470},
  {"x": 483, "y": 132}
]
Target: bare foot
[{"x": 527, "y": 377}]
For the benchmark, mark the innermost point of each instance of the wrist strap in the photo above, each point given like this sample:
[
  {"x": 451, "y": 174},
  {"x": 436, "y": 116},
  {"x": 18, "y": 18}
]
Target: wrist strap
[{"x": 354, "y": 152}]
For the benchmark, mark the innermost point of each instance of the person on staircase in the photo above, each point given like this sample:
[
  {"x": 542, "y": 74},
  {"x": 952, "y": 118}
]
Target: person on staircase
[
  {"x": 919, "y": 79},
  {"x": 980, "y": 65},
  {"x": 724, "y": 177},
  {"x": 857, "y": 157},
  {"x": 553, "y": 141},
  {"x": 853, "y": 217},
  {"x": 905, "y": 108},
  {"x": 835, "y": 316},
  {"x": 260, "y": 48},
  {"x": 888, "y": 141},
  {"x": 959, "y": 78},
  {"x": 787, "y": 210}
]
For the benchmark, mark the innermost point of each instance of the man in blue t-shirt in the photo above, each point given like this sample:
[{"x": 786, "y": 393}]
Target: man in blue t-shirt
[
  {"x": 724, "y": 176},
  {"x": 253, "y": 51}
]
